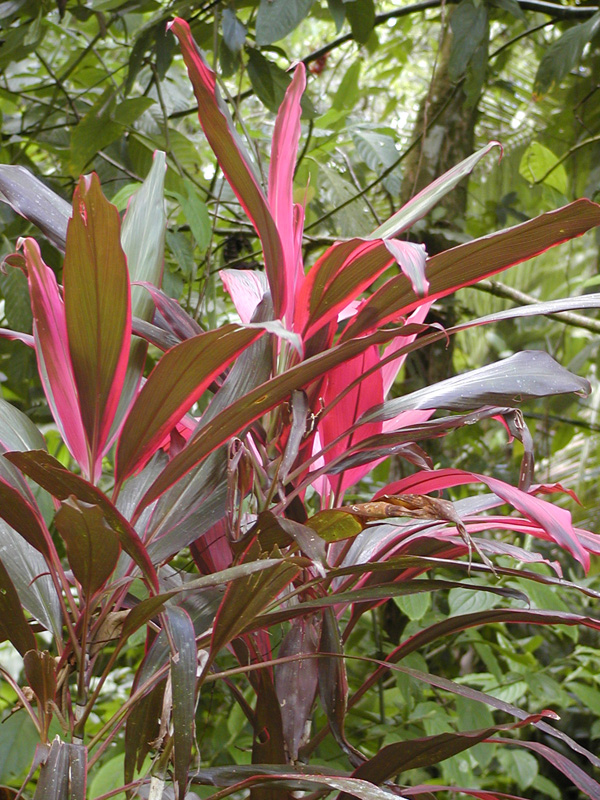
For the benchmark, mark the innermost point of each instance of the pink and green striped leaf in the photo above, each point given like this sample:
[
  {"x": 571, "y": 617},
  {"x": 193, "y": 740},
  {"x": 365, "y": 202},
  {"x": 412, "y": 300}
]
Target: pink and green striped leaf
[
  {"x": 98, "y": 312},
  {"x": 426, "y": 199},
  {"x": 54, "y": 359}
]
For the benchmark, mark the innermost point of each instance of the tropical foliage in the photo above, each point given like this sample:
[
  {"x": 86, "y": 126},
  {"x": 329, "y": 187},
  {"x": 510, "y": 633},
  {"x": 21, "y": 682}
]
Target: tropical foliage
[{"x": 206, "y": 509}]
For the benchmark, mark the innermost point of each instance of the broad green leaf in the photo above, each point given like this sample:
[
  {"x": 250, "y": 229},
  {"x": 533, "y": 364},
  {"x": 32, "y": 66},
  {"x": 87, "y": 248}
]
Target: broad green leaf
[
  {"x": 337, "y": 9},
  {"x": 536, "y": 165},
  {"x": 277, "y": 18},
  {"x": 469, "y": 23},
  {"x": 13, "y": 285},
  {"x": 564, "y": 54},
  {"x": 196, "y": 214},
  {"x": 234, "y": 32},
  {"x": 270, "y": 83},
  {"x": 415, "y": 606},
  {"x": 178, "y": 380},
  {"x": 97, "y": 311},
  {"x": 361, "y": 16},
  {"x": 378, "y": 151},
  {"x": 348, "y": 91},
  {"x": 334, "y": 526},
  {"x": 92, "y": 546}
]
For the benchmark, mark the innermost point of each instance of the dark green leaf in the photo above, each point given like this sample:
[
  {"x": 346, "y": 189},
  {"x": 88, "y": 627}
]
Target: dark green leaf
[
  {"x": 270, "y": 82},
  {"x": 564, "y": 54},
  {"x": 337, "y": 9},
  {"x": 234, "y": 33},
  {"x": 277, "y": 18},
  {"x": 469, "y": 24},
  {"x": 361, "y": 16}
]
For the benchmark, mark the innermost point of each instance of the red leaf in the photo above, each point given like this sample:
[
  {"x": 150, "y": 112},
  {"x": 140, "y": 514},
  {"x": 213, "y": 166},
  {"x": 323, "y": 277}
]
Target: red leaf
[{"x": 177, "y": 381}]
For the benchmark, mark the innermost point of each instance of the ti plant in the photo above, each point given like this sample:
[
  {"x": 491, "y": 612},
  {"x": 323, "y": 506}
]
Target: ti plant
[{"x": 295, "y": 413}]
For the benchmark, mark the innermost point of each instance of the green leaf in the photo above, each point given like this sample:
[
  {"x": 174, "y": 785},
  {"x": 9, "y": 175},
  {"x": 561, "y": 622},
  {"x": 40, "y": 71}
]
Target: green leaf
[
  {"x": 17, "y": 309},
  {"x": 234, "y": 33},
  {"x": 465, "y": 601},
  {"x": 378, "y": 151},
  {"x": 469, "y": 23},
  {"x": 361, "y": 16},
  {"x": 337, "y": 9},
  {"x": 196, "y": 214},
  {"x": 92, "y": 546},
  {"x": 589, "y": 696},
  {"x": 18, "y": 740},
  {"x": 108, "y": 777},
  {"x": 535, "y": 166},
  {"x": 348, "y": 91},
  {"x": 270, "y": 82},
  {"x": 334, "y": 526},
  {"x": 415, "y": 606},
  {"x": 277, "y": 18},
  {"x": 563, "y": 55}
]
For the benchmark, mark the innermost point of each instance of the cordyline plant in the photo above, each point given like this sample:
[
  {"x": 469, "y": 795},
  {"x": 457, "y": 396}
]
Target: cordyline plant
[{"x": 296, "y": 408}]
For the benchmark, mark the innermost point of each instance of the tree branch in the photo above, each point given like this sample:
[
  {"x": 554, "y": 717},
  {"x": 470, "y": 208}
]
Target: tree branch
[{"x": 568, "y": 317}]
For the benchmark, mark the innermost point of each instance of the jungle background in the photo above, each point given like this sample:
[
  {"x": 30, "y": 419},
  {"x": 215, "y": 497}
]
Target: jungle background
[{"x": 397, "y": 94}]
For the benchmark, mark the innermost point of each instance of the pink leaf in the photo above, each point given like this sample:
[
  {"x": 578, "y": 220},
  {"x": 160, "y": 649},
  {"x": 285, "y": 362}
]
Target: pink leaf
[
  {"x": 554, "y": 520},
  {"x": 233, "y": 160},
  {"x": 281, "y": 178},
  {"x": 411, "y": 259},
  {"x": 246, "y": 288}
]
